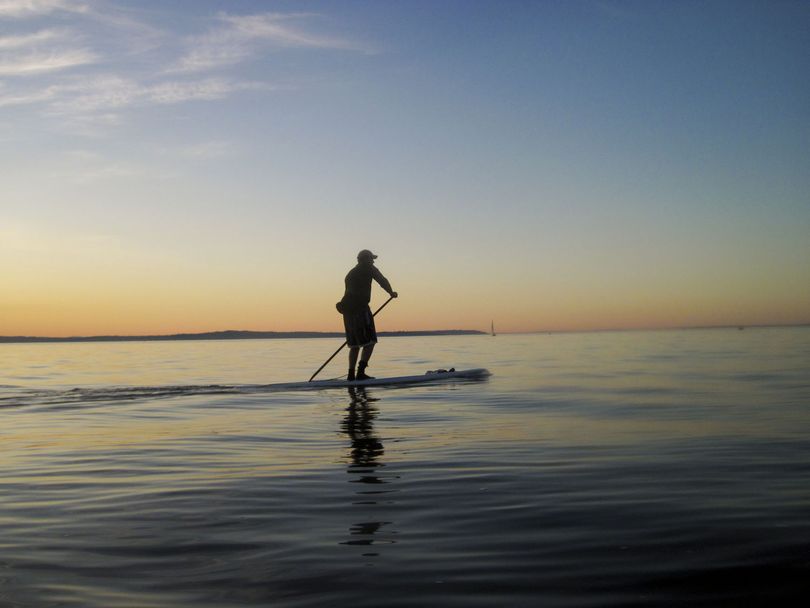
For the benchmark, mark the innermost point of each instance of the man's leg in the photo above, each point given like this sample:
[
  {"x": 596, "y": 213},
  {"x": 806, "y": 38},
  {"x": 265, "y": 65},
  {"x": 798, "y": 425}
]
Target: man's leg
[
  {"x": 367, "y": 350},
  {"x": 361, "y": 368},
  {"x": 353, "y": 352}
]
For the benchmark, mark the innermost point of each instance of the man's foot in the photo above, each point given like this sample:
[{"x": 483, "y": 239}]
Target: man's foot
[
  {"x": 361, "y": 371},
  {"x": 350, "y": 376}
]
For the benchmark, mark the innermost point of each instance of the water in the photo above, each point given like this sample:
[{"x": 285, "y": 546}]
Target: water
[{"x": 605, "y": 469}]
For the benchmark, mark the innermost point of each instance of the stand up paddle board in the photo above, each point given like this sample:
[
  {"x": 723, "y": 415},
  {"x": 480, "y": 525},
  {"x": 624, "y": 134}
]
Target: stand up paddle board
[{"x": 426, "y": 378}]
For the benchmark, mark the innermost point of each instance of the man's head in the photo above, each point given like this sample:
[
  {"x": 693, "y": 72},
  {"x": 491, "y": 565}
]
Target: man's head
[{"x": 366, "y": 256}]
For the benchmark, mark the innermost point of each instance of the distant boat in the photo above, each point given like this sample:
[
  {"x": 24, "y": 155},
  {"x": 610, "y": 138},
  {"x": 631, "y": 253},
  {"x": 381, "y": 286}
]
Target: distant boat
[{"x": 493, "y": 328}]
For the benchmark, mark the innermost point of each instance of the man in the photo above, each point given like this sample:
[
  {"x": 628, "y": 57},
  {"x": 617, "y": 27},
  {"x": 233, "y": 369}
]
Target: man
[{"x": 357, "y": 317}]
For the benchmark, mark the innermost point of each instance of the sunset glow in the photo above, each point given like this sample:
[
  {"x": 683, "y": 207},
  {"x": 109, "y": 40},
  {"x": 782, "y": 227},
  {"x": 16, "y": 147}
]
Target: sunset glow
[{"x": 189, "y": 167}]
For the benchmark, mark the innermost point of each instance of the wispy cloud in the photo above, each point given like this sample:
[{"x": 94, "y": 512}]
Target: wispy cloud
[
  {"x": 123, "y": 28},
  {"x": 115, "y": 92},
  {"x": 99, "y": 10},
  {"x": 208, "y": 89},
  {"x": 239, "y": 38},
  {"x": 27, "y": 98},
  {"x": 100, "y": 59},
  {"x": 29, "y": 40},
  {"x": 46, "y": 50},
  {"x": 106, "y": 93},
  {"x": 280, "y": 29},
  {"x": 38, "y": 62},
  {"x": 32, "y": 8}
]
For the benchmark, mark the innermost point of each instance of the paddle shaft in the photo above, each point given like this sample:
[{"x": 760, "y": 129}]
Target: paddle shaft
[{"x": 344, "y": 343}]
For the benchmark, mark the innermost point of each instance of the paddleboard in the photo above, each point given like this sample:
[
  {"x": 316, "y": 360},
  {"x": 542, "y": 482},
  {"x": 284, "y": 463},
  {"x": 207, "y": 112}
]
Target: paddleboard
[{"x": 426, "y": 378}]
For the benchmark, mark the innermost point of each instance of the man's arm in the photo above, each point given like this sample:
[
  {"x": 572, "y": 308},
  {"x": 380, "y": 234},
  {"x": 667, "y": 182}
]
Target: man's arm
[{"x": 378, "y": 276}]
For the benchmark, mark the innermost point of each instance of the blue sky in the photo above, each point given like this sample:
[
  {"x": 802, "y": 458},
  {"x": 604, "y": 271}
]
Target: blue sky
[{"x": 562, "y": 165}]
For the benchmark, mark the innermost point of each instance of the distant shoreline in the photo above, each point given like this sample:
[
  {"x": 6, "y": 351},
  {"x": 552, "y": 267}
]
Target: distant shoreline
[{"x": 233, "y": 335}]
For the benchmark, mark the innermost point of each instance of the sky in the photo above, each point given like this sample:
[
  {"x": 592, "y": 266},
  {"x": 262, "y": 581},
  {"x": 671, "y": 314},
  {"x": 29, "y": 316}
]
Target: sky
[{"x": 206, "y": 165}]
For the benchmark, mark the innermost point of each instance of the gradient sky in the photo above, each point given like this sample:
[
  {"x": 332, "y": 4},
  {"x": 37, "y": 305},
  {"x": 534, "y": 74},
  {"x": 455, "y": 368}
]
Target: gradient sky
[{"x": 206, "y": 165}]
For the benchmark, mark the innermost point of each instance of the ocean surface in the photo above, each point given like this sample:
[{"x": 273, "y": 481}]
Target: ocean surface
[{"x": 598, "y": 469}]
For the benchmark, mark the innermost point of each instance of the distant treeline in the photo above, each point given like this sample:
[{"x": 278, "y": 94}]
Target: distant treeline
[{"x": 234, "y": 335}]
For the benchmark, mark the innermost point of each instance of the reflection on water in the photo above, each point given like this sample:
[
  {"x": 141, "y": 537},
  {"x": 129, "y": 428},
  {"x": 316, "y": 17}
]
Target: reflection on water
[
  {"x": 366, "y": 447},
  {"x": 364, "y": 460}
]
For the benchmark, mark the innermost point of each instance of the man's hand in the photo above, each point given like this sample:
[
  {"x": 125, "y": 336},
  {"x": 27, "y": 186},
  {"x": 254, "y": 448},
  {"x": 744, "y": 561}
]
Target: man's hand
[{"x": 394, "y": 294}]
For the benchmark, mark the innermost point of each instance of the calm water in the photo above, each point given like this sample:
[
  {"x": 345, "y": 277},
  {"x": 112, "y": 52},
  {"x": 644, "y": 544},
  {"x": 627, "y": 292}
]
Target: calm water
[{"x": 608, "y": 469}]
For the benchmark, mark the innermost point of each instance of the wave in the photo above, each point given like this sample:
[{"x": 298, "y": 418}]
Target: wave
[
  {"x": 20, "y": 396},
  {"x": 17, "y": 397}
]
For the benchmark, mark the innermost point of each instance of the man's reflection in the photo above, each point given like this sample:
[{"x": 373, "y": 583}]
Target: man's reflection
[
  {"x": 364, "y": 462},
  {"x": 359, "y": 426}
]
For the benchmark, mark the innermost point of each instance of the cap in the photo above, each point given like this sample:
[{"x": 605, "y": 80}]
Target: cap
[{"x": 365, "y": 254}]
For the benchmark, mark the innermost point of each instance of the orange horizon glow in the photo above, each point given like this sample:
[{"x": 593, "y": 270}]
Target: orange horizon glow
[
  {"x": 137, "y": 293},
  {"x": 74, "y": 319},
  {"x": 62, "y": 288}
]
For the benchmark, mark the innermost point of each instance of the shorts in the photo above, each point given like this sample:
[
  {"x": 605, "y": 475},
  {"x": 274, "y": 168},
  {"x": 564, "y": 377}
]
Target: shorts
[{"x": 360, "y": 330}]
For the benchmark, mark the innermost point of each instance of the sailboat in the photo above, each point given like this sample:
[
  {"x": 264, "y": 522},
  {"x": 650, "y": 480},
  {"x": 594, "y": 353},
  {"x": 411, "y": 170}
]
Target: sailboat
[{"x": 493, "y": 328}]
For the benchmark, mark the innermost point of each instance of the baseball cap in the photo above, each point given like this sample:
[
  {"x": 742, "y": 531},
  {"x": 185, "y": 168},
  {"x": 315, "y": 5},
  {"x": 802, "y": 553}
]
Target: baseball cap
[{"x": 365, "y": 254}]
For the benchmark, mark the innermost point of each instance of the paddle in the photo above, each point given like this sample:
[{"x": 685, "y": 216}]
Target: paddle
[{"x": 344, "y": 343}]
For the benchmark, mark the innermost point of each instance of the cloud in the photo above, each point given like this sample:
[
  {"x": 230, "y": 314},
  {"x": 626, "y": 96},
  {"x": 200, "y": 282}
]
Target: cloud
[
  {"x": 208, "y": 89},
  {"x": 95, "y": 94},
  {"x": 29, "y": 98},
  {"x": 28, "y": 40},
  {"x": 115, "y": 92},
  {"x": 239, "y": 38},
  {"x": 274, "y": 28},
  {"x": 36, "y": 62},
  {"x": 109, "y": 93},
  {"x": 34, "y": 8},
  {"x": 120, "y": 27},
  {"x": 46, "y": 50},
  {"x": 118, "y": 51}
]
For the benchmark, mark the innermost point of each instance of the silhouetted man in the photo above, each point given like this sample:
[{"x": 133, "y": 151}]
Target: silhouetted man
[{"x": 357, "y": 317}]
